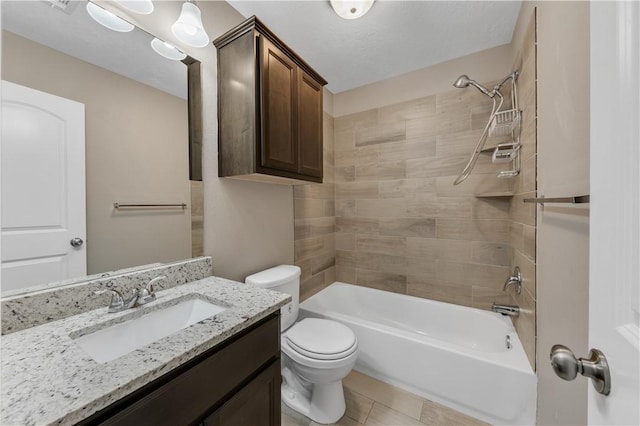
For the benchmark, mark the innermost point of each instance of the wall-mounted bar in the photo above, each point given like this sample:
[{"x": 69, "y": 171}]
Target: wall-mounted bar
[
  {"x": 117, "y": 205},
  {"x": 580, "y": 199}
]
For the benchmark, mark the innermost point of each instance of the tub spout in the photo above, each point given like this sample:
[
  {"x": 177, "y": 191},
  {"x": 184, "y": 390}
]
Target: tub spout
[{"x": 510, "y": 310}]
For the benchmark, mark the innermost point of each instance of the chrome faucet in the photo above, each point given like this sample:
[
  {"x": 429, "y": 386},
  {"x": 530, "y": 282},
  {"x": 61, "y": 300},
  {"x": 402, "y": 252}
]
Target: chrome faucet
[
  {"x": 510, "y": 310},
  {"x": 139, "y": 297},
  {"x": 148, "y": 294},
  {"x": 514, "y": 279},
  {"x": 118, "y": 302}
]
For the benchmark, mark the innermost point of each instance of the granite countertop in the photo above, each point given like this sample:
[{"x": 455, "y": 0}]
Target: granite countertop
[{"x": 48, "y": 379}]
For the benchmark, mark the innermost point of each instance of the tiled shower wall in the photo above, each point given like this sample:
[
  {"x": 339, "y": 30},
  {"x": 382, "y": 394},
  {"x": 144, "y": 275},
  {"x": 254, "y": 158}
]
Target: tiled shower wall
[
  {"x": 401, "y": 224},
  {"x": 315, "y": 222}
]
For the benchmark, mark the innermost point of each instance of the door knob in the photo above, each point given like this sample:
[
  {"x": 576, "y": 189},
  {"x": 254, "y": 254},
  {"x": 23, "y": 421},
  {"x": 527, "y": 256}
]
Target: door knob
[
  {"x": 76, "y": 242},
  {"x": 567, "y": 367}
]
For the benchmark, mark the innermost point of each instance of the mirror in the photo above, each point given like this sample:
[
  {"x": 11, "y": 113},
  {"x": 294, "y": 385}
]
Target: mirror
[{"x": 138, "y": 127}]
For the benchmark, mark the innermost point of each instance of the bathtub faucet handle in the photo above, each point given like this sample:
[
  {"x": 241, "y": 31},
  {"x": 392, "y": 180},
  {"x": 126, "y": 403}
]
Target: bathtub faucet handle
[{"x": 514, "y": 279}]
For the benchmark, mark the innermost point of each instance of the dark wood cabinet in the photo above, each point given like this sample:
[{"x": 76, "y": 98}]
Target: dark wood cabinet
[
  {"x": 236, "y": 382},
  {"x": 269, "y": 107}
]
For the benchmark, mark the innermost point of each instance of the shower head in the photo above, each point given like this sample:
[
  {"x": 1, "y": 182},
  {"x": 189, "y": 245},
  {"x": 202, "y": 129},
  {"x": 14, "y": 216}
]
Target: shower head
[{"x": 464, "y": 81}]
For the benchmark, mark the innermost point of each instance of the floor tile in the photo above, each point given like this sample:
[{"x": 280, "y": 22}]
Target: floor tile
[
  {"x": 435, "y": 414},
  {"x": 391, "y": 396},
  {"x": 384, "y": 416}
]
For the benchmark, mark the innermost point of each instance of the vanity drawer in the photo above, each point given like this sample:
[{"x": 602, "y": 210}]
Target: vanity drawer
[{"x": 194, "y": 391}]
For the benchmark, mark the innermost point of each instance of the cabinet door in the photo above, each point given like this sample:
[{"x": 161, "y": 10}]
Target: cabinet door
[
  {"x": 256, "y": 404},
  {"x": 309, "y": 125},
  {"x": 278, "y": 146}
]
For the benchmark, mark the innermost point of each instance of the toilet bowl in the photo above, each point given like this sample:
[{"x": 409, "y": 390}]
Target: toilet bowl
[{"x": 316, "y": 353}]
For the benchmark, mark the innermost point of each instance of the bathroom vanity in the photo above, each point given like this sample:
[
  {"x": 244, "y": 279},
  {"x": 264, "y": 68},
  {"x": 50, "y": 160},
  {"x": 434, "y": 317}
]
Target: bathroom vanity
[{"x": 221, "y": 370}]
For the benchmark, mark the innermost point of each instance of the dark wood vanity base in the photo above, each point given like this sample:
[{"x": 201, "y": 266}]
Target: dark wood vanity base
[{"x": 236, "y": 382}]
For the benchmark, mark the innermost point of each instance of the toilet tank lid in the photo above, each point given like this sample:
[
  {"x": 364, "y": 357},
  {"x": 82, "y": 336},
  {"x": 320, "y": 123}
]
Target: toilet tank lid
[{"x": 273, "y": 276}]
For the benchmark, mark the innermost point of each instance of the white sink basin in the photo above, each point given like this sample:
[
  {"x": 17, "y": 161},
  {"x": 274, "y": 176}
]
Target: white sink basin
[{"x": 116, "y": 340}]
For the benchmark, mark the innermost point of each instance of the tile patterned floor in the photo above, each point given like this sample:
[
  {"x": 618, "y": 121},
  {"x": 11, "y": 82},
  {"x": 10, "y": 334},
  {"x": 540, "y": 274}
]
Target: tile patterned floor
[{"x": 374, "y": 403}]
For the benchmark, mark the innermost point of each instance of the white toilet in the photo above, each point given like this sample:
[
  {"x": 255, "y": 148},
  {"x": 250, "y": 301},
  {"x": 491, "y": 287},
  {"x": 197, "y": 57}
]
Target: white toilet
[{"x": 316, "y": 353}]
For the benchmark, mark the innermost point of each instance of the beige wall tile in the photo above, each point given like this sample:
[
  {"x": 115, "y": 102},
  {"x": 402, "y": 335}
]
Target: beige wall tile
[
  {"x": 386, "y": 281},
  {"x": 381, "y": 262},
  {"x": 490, "y": 253},
  {"x": 309, "y": 247},
  {"x": 435, "y": 166},
  {"x": 357, "y": 225},
  {"x": 429, "y": 289},
  {"x": 490, "y": 208},
  {"x": 457, "y": 143},
  {"x": 527, "y": 270},
  {"x": 356, "y": 190},
  {"x": 380, "y": 134},
  {"x": 470, "y": 274},
  {"x": 525, "y": 324},
  {"x": 475, "y": 230},
  {"x": 418, "y": 108},
  {"x": 400, "y": 188},
  {"x": 345, "y": 241},
  {"x": 430, "y": 205},
  {"x": 380, "y": 170},
  {"x": 346, "y": 274},
  {"x": 475, "y": 184},
  {"x": 483, "y": 297},
  {"x": 408, "y": 227},
  {"x": 345, "y": 174},
  {"x": 345, "y": 208},
  {"x": 381, "y": 244},
  {"x": 311, "y": 286},
  {"x": 426, "y": 126},
  {"x": 439, "y": 249},
  {"x": 389, "y": 207},
  {"x": 529, "y": 244}
]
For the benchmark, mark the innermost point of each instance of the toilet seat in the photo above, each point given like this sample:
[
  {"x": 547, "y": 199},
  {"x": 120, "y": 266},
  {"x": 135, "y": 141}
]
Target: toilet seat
[{"x": 319, "y": 342}]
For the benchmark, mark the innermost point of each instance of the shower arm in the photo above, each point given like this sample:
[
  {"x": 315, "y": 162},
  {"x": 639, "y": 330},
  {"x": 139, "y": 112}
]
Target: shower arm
[{"x": 483, "y": 139}]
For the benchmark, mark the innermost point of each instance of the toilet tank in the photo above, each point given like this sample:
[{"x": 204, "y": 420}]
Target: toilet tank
[{"x": 285, "y": 279}]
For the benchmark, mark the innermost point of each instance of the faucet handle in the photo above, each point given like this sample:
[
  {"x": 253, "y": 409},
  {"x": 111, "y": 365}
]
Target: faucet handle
[
  {"x": 514, "y": 279},
  {"x": 155, "y": 281},
  {"x": 117, "y": 300}
]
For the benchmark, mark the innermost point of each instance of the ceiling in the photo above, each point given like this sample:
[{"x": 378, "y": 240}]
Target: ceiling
[
  {"x": 75, "y": 33},
  {"x": 393, "y": 38}
]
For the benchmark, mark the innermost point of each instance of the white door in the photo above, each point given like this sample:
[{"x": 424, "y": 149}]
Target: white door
[
  {"x": 43, "y": 188},
  {"x": 614, "y": 305}
]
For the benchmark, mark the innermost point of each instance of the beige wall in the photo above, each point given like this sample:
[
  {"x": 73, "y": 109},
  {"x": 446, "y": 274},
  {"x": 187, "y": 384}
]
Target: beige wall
[
  {"x": 486, "y": 65},
  {"x": 121, "y": 165},
  {"x": 563, "y": 231},
  {"x": 248, "y": 226}
]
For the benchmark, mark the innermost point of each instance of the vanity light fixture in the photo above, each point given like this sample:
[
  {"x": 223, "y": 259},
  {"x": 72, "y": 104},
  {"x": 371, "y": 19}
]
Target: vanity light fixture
[
  {"x": 143, "y": 7},
  {"x": 167, "y": 50},
  {"x": 188, "y": 28},
  {"x": 351, "y": 9},
  {"x": 108, "y": 19}
]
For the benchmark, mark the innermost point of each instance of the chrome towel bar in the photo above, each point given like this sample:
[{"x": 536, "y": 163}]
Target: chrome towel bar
[
  {"x": 117, "y": 205},
  {"x": 579, "y": 199}
]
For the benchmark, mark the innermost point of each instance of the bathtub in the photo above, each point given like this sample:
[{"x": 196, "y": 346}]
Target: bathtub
[{"x": 450, "y": 354}]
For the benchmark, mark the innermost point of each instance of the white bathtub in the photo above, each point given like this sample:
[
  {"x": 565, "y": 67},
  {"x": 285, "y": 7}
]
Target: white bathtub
[{"x": 450, "y": 354}]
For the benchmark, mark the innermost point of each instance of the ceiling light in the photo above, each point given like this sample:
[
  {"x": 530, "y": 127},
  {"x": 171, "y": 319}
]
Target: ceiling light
[
  {"x": 143, "y": 7},
  {"x": 167, "y": 50},
  {"x": 351, "y": 9},
  {"x": 108, "y": 19},
  {"x": 188, "y": 28}
]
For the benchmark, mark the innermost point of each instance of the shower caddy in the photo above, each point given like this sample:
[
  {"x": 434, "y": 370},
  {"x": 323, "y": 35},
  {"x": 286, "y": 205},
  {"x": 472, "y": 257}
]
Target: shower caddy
[{"x": 501, "y": 123}]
